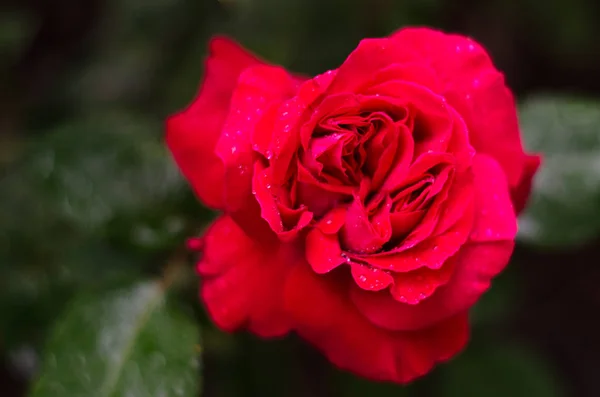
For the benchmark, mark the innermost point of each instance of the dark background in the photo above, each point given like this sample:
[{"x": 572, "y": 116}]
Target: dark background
[{"x": 73, "y": 74}]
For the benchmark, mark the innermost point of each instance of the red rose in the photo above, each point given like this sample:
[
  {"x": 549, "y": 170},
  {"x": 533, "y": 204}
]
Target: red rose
[{"x": 367, "y": 208}]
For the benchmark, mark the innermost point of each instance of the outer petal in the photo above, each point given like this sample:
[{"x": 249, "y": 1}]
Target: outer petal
[
  {"x": 495, "y": 217},
  {"x": 193, "y": 133},
  {"x": 243, "y": 282},
  {"x": 258, "y": 88},
  {"x": 325, "y": 316},
  {"x": 476, "y": 265},
  {"x": 270, "y": 208},
  {"x": 520, "y": 194},
  {"x": 370, "y": 57},
  {"x": 476, "y": 89}
]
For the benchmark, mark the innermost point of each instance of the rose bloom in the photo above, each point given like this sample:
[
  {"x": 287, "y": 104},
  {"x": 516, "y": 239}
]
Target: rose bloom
[{"x": 367, "y": 208}]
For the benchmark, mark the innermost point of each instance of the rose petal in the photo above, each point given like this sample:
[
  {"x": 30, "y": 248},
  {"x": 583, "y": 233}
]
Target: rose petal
[
  {"x": 476, "y": 265},
  {"x": 495, "y": 217},
  {"x": 328, "y": 319},
  {"x": 323, "y": 251},
  {"x": 420, "y": 284},
  {"x": 193, "y": 133},
  {"x": 370, "y": 278},
  {"x": 284, "y": 137},
  {"x": 242, "y": 281},
  {"x": 433, "y": 120},
  {"x": 459, "y": 200},
  {"x": 414, "y": 72},
  {"x": 404, "y": 222},
  {"x": 369, "y": 57},
  {"x": 272, "y": 212},
  {"x": 473, "y": 86},
  {"x": 362, "y": 234},
  {"x": 258, "y": 87},
  {"x": 520, "y": 193},
  {"x": 431, "y": 253}
]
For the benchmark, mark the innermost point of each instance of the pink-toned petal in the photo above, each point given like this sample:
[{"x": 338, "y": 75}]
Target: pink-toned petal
[
  {"x": 431, "y": 253},
  {"x": 323, "y": 251},
  {"x": 191, "y": 140},
  {"x": 495, "y": 217},
  {"x": 520, "y": 193},
  {"x": 291, "y": 115},
  {"x": 257, "y": 89},
  {"x": 433, "y": 119},
  {"x": 332, "y": 222},
  {"x": 319, "y": 196},
  {"x": 474, "y": 87},
  {"x": 369, "y": 57},
  {"x": 192, "y": 134},
  {"x": 489, "y": 111},
  {"x": 242, "y": 281},
  {"x": 402, "y": 152},
  {"x": 271, "y": 210},
  {"x": 363, "y": 235},
  {"x": 459, "y": 144},
  {"x": 427, "y": 225},
  {"x": 294, "y": 221},
  {"x": 414, "y": 72},
  {"x": 327, "y": 318},
  {"x": 458, "y": 202},
  {"x": 420, "y": 284},
  {"x": 404, "y": 222},
  {"x": 476, "y": 265},
  {"x": 370, "y": 278}
]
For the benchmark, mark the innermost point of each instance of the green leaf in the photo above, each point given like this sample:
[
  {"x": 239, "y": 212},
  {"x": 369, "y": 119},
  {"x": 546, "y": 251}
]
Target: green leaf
[
  {"x": 85, "y": 174},
  {"x": 128, "y": 342},
  {"x": 32, "y": 294},
  {"x": 498, "y": 371},
  {"x": 564, "y": 209},
  {"x": 82, "y": 202}
]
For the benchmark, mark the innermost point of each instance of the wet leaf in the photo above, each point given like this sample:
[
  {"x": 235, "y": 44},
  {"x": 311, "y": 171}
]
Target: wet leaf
[
  {"x": 127, "y": 342},
  {"x": 564, "y": 209},
  {"x": 33, "y": 294},
  {"x": 87, "y": 203}
]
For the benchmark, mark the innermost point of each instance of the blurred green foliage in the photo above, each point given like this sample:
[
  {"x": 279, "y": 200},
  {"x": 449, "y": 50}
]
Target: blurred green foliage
[
  {"x": 91, "y": 201},
  {"x": 565, "y": 204},
  {"x": 135, "y": 344}
]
